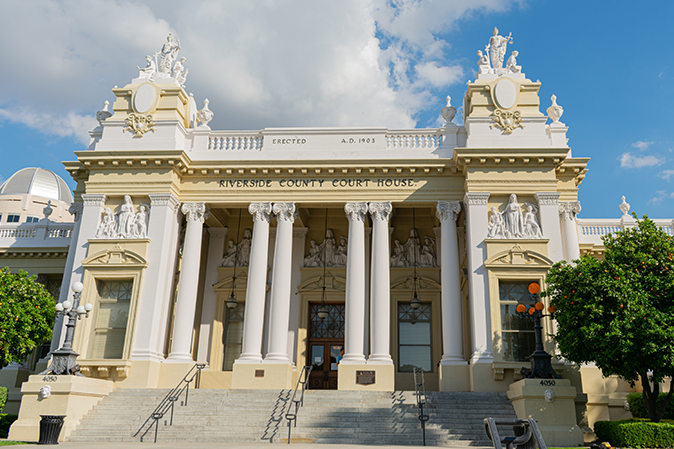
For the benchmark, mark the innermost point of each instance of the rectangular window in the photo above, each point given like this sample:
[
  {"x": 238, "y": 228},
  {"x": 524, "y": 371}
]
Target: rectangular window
[
  {"x": 414, "y": 338},
  {"x": 517, "y": 332},
  {"x": 12, "y": 218},
  {"x": 114, "y": 301},
  {"x": 233, "y": 335},
  {"x": 32, "y": 219}
]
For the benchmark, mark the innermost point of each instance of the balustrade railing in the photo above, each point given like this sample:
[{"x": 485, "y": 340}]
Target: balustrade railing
[
  {"x": 592, "y": 230},
  {"x": 234, "y": 142},
  {"x": 416, "y": 139}
]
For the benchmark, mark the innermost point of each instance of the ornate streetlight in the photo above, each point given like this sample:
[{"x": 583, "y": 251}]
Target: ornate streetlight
[
  {"x": 64, "y": 359},
  {"x": 541, "y": 367},
  {"x": 415, "y": 302},
  {"x": 323, "y": 311},
  {"x": 231, "y": 301}
]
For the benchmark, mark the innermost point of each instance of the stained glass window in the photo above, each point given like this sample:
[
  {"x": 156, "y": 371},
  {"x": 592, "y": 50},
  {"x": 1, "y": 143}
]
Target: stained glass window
[
  {"x": 414, "y": 338},
  {"x": 517, "y": 332},
  {"x": 112, "y": 316}
]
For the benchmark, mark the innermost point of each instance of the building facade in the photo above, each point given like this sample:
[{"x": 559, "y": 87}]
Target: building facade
[{"x": 227, "y": 247}]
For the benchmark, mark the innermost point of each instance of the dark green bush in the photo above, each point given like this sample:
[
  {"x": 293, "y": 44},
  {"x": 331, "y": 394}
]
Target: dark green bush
[
  {"x": 636, "y": 433},
  {"x": 6, "y": 420},
  {"x": 3, "y": 397},
  {"x": 638, "y": 405}
]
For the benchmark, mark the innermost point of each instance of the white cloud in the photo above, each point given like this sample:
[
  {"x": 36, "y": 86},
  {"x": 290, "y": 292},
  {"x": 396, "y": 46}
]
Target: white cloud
[
  {"x": 667, "y": 175},
  {"x": 261, "y": 64},
  {"x": 662, "y": 195},
  {"x": 628, "y": 160},
  {"x": 642, "y": 144}
]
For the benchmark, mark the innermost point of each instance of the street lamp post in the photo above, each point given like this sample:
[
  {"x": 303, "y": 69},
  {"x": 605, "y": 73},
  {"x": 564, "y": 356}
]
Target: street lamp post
[
  {"x": 541, "y": 366},
  {"x": 63, "y": 360}
]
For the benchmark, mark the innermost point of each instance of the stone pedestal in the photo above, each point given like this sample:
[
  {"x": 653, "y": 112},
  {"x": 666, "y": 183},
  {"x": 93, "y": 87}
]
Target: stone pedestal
[
  {"x": 72, "y": 396},
  {"x": 11, "y": 377},
  {"x": 262, "y": 376},
  {"x": 454, "y": 377},
  {"x": 556, "y": 418},
  {"x": 384, "y": 377}
]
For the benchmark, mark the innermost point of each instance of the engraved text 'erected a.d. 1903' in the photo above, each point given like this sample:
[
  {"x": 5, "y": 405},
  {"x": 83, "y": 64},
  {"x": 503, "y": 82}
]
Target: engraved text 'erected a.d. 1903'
[
  {"x": 337, "y": 139},
  {"x": 294, "y": 183}
]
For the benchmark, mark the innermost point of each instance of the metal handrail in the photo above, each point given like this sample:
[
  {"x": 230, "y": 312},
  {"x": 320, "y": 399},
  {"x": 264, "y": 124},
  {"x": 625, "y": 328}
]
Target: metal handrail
[
  {"x": 170, "y": 399},
  {"x": 292, "y": 416},
  {"x": 420, "y": 391}
]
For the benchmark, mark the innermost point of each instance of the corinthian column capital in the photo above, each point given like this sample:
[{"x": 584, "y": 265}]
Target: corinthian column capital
[
  {"x": 356, "y": 211},
  {"x": 195, "y": 211},
  {"x": 381, "y": 210},
  {"x": 260, "y": 211},
  {"x": 448, "y": 210},
  {"x": 285, "y": 211},
  {"x": 569, "y": 209}
]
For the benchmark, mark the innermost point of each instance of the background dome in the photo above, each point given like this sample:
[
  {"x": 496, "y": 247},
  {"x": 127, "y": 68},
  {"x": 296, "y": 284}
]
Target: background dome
[{"x": 38, "y": 182}]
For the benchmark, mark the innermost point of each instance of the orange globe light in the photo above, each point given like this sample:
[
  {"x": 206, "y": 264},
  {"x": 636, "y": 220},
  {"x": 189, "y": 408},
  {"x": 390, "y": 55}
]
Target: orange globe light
[
  {"x": 539, "y": 306},
  {"x": 531, "y": 311},
  {"x": 552, "y": 309},
  {"x": 534, "y": 288},
  {"x": 521, "y": 308}
]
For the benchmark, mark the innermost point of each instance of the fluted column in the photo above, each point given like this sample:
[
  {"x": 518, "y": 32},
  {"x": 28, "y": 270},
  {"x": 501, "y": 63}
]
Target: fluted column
[
  {"x": 567, "y": 215},
  {"x": 253, "y": 319},
  {"x": 450, "y": 281},
  {"x": 185, "y": 308},
  {"x": 381, "y": 284},
  {"x": 354, "y": 311},
  {"x": 279, "y": 309}
]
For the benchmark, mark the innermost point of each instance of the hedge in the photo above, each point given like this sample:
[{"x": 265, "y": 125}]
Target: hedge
[
  {"x": 638, "y": 406},
  {"x": 6, "y": 420},
  {"x": 636, "y": 433},
  {"x": 3, "y": 397}
]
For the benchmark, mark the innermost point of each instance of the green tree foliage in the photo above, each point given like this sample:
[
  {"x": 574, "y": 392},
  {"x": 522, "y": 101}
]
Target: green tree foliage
[
  {"x": 619, "y": 312},
  {"x": 26, "y": 316}
]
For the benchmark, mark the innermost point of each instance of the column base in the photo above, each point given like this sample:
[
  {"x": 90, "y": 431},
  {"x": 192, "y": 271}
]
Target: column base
[
  {"x": 73, "y": 396},
  {"x": 248, "y": 359},
  {"x": 262, "y": 376},
  {"x": 353, "y": 360},
  {"x": 277, "y": 359},
  {"x": 556, "y": 419},
  {"x": 178, "y": 357},
  {"x": 375, "y": 359},
  {"x": 482, "y": 378},
  {"x": 147, "y": 355},
  {"x": 454, "y": 377},
  {"x": 481, "y": 357},
  {"x": 384, "y": 377}
]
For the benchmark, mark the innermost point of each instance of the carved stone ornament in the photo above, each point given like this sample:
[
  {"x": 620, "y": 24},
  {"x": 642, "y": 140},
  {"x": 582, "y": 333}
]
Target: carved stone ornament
[
  {"x": 75, "y": 210},
  {"x": 507, "y": 120},
  {"x": 448, "y": 210},
  {"x": 449, "y": 111},
  {"x": 48, "y": 210},
  {"x": 285, "y": 211},
  {"x": 328, "y": 252},
  {"x": 205, "y": 115},
  {"x": 238, "y": 254},
  {"x": 555, "y": 111},
  {"x": 45, "y": 391},
  {"x": 139, "y": 124},
  {"x": 195, "y": 211},
  {"x": 513, "y": 223},
  {"x": 124, "y": 224},
  {"x": 260, "y": 211},
  {"x": 103, "y": 113},
  {"x": 356, "y": 211},
  {"x": 624, "y": 206},
  {"x": 381, "y": 210},
  {"x": 549, "y": 395},
  {"x": 412, "y": 253},
  {"x": 569, "y": 209}
]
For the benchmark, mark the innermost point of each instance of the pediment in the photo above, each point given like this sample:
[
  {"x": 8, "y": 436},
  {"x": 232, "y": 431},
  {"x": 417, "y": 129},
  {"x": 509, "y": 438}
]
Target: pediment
[
  {"x": 516, "y": 256},
  {"x": 332, "y": 283},
  {"x": 424, "y": 283},
  {"x": 117, "y": 256}
]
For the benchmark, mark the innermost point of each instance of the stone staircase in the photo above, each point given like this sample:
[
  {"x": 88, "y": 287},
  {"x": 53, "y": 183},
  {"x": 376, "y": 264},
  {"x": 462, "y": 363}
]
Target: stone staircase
[{"x": 336, "y": 417}]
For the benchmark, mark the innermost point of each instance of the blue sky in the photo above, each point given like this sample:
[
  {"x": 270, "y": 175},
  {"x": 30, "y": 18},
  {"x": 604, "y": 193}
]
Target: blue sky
[{"x": 350, "y": 63}]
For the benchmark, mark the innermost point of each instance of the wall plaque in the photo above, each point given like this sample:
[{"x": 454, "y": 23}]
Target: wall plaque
[
  {"x": 364, "y": 377},
  {"x": 259, "y": 373}
]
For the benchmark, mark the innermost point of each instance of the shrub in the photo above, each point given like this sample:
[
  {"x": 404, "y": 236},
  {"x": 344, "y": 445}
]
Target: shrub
[
  {"x": 3, "y": 397},
  {"x": 6, "y": 420},
  {"x": 636, "y": 433},
  {"x": 638, "y": 407}
]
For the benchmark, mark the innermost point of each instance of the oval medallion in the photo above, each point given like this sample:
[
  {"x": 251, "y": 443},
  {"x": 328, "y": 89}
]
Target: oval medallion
[
  {"x": 143, "y": 99},
  {"x": 505, "y": 93}
]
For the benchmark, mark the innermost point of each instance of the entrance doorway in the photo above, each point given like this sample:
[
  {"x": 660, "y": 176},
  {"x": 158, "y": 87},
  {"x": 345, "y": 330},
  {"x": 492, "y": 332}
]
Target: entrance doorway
[{"x": 326, "y": 340}]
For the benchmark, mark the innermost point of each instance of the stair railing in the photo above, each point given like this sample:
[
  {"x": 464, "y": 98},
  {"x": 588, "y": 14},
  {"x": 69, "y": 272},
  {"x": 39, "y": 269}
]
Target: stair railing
[
  {"x": 420, "y": 392},
  {"x": 168, "y": 403},
  {"x": 291, "y": 416}
]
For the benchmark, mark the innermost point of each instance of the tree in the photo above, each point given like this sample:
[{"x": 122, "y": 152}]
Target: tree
[
  {"x": 27, "y": 313},
  {"x": 619, "y": 312}
]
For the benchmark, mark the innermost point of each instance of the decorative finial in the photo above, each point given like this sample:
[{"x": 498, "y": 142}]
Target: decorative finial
[
  {"x": 624, "y": 207},
  {"x": 205, "y": 115},
  {"x": 103, "y": 113},
  {"x": 555, "y": 111},
  {"x": 47, "y": 211},
  {"x": 449, "y": 111}
]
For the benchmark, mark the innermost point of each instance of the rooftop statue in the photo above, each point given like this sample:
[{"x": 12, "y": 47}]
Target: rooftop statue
[
  {"x": 511, "y": 65},
  {"x": 169, "y": 53},
  {"x": 497, "y": 48},
  {"x": 164, "y": 64}
]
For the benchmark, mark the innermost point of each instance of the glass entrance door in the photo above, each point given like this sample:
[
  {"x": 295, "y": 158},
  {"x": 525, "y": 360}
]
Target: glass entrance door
[{"x": 326, "y": 340}]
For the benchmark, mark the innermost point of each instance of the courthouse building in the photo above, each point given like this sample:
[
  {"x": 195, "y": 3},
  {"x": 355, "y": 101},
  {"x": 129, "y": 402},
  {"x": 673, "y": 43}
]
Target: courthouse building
[{"x": 259, "y": 252}]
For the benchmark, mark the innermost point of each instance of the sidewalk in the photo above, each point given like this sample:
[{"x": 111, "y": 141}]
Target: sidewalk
[{"x": 138, "y": 445}]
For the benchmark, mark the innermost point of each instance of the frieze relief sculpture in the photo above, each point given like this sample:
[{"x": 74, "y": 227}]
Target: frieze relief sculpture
[
  {"x": 513, "y": 223},
  {"x": 238, "y": 253},
  {"x": 124, "y": 224},
  {"x": 328, "y": 252},
  {"x": 412, "y": 253}
]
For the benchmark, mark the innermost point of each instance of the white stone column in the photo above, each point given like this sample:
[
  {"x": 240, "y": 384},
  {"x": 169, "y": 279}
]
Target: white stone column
[
  {"x": 480, "y": 316},
  {"x": 253, "y": 319},
  {"x": 450, "y": 281},
  {"x": 185, "y": 308},
  {"x": 157, "y": 278},
  {"x": 354, "y": 309},
  {"x": 548, "y": 214},
  {"x": 381, "y": 284},
  {"x": 280, "y": 284},
  {"x": 567, "y": 215},
  {"x": 299, "y": 239},
  {"x": 216, "y": 249}
]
